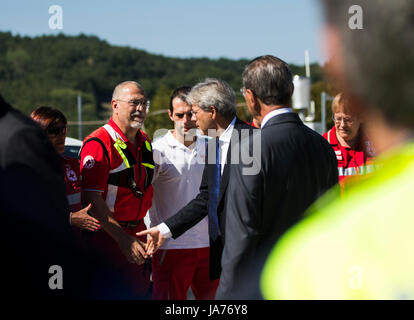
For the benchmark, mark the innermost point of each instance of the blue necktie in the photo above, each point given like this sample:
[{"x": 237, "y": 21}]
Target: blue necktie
[{"x": 214, "y": 190}]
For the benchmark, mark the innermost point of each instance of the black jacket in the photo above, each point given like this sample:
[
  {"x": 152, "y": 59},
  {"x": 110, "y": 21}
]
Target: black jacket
[
  {"x": 297, "y": 165},
  {"x": 36, "y": 233},
  {"x": 197, "y": 208}
]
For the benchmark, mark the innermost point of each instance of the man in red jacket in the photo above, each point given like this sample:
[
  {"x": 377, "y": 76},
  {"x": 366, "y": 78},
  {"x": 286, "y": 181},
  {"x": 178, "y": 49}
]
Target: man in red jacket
[{"x": 117, "y": 169}]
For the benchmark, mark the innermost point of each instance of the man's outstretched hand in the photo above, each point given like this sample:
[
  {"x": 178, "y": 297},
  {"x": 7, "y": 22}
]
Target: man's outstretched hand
[{"x": 155, "y": 239}]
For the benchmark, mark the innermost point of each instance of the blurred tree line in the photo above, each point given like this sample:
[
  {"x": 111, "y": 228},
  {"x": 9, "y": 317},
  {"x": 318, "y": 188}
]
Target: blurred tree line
[{"x": 54, "y": 70}]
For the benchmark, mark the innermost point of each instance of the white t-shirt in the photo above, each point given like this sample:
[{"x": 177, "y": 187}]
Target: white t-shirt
[{"x": 177, "y": 179}]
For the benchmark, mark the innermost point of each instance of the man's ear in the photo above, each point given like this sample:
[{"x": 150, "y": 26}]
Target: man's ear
[
  {"x": 170, "y": 115},
  {"x": 250, "y": 97},
  {"x": 253, "y": 100},
  {"x": 213, "y": 112},
  {"x": 114, "y": 104}
]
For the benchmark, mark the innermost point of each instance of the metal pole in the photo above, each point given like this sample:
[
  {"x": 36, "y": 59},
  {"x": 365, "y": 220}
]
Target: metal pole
[
  {"x": 307, "y": 64},
  {"x": 80, "y": 117},
  {"x": 323, "y": 111}
]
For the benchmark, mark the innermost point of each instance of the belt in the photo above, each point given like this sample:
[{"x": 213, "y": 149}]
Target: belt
[{"x": 129, "y": 224}]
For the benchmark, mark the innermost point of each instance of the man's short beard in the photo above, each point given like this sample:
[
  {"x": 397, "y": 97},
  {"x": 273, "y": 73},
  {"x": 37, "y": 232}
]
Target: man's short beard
[{"x": 137, "y": 124}]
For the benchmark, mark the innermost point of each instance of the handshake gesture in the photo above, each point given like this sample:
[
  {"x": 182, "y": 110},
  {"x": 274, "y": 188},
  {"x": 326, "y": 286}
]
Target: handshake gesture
[
  {"x": 137, "y": 251},
  {"x": 154, "y": 241}
]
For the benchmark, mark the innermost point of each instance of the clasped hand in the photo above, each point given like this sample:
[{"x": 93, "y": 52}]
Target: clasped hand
[{"x": 154, "y": 241}]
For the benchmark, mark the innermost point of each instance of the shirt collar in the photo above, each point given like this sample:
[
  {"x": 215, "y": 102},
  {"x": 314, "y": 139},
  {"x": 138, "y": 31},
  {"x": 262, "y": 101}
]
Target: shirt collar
[
  {"x": 274, "y": 113},
  {"x": 173, "y": 142},
  {"x": 226, "y": 135}
]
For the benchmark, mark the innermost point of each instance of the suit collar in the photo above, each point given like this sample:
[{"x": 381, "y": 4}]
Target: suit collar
[
  {"x": 238, "y": 124},
  {"x": 274, "y": 113},
  {"x": 283, "y": 118}
]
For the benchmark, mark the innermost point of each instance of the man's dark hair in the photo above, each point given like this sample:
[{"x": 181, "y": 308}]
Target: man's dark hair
[
  {"x": 180, "y": 93},
  {"x": 378, "y": 59},
  {"x": 270, "y": 79}
]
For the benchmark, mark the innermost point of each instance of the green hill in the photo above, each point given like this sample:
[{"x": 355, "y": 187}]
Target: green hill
[{"x": 53, "y": 70}]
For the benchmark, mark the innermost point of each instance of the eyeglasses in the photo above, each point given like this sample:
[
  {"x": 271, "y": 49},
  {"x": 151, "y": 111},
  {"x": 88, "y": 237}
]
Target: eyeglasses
[
  {"x": 55, "y": 130},
  {"x": 346, "y": 120},
  {"x": 143, "y": 103}
]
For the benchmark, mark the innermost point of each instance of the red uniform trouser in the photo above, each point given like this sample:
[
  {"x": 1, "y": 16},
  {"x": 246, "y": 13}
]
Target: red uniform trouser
[
  {"x": 137, "y": 277},
  {"x": 174, "y": 271}
]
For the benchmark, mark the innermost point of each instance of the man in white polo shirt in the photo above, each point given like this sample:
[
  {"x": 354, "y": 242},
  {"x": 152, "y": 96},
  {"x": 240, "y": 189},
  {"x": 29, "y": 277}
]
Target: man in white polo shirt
[{"x": 179, "y": 158}]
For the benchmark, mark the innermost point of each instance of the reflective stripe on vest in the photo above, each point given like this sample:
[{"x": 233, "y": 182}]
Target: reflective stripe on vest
[
  {"x": 112, "y": 189},
  {"x": 356, "y": 170},
  {"x": 111, "y": 196},
  {"x": 119, "y": 145},
  {"x": 146, "y": 154}
]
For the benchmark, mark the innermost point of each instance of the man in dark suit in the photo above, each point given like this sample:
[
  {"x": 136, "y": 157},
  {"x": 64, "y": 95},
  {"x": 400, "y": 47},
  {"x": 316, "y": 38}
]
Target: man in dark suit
[
  {"x": 296, "y": 167},
  {"x": 214, "y": 110}
]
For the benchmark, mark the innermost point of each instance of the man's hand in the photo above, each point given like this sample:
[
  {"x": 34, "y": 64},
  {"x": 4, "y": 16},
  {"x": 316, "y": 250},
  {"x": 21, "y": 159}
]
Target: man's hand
[
  {"x": 82, "y": 219},
  {"x": 133, "y": 249},
  {"x": 154, "y": 241}
]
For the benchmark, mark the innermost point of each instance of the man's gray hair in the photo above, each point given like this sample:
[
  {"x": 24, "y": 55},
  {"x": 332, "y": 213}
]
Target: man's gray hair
[
  {"x": 270, "y": 79},
  {"x": 119, "y": 87},
  {"x": 378, "y": 59},
  {"x": 216, "y": 93}
]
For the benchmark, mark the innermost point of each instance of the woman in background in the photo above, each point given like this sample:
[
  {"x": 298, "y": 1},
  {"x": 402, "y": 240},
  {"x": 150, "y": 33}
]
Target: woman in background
[
  {"x": 353, "y": 150},
  {"x": 54, "y": 123}
]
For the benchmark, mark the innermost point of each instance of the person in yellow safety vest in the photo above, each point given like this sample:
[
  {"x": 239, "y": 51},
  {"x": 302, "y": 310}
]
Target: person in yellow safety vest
[{"x": 359, "y": 246}]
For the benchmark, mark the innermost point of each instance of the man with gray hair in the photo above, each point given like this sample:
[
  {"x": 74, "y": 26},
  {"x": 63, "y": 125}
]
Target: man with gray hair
[
  {"x": 214, "y": 111},
  {"x": 360, "y": 247},
  {"x": 296, "y": 164},
  {"x": 117, "y": 169}
]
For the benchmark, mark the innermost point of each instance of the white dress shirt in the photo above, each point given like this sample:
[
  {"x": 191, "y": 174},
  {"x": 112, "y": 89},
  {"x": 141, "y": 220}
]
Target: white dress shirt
[
  {"x": 224, "y": 142},
  {"x": 177, "y": 177}
]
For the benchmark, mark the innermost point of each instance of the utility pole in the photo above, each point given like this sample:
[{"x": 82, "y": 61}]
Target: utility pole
[{"x": 80, "y": 117}]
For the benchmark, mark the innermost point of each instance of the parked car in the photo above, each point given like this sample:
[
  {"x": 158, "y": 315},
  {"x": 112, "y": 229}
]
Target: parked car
[{"x": 72, "y": 147}]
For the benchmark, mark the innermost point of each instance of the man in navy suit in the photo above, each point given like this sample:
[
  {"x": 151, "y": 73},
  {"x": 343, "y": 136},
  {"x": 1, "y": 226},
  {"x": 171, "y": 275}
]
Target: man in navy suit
[
  {"x": 296, "y": 167},
  {"x": 214, "y": 110}
]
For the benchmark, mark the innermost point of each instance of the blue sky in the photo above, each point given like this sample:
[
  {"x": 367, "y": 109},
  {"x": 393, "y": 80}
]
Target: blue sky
[{"x": 182, "y": 28}]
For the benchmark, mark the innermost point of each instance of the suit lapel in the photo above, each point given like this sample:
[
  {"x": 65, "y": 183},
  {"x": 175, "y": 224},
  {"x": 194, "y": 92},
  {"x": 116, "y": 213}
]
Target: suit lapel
[
  {"x": 225, "y": 177},
  {"x": 283, "y": 118}
]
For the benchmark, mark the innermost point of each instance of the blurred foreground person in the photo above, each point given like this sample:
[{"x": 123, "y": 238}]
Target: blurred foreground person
[
  {"x": 360, "y": 246},
  {"x": 117, "y": 169},
  {"x": 179, "y": 163},
  {"x": 39, "y": 252},
  {"x": 353, "y": 150},
  {"x": 55, "y": 125}
]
